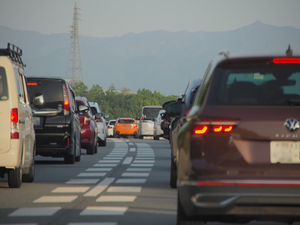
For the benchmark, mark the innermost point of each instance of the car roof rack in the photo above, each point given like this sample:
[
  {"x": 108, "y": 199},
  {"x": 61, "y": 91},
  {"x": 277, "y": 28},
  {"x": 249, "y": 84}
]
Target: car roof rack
[
  {"x": 13, "y": 52},
  {"x": 225, "y": 53}
]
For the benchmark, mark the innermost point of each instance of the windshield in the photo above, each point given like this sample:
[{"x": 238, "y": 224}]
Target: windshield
[
  {"x": 264, "y": 85},
  {"x": 150, "y": 113},
  {"x": 125, "y": 121},
  {"x": 3, "y": 85}
]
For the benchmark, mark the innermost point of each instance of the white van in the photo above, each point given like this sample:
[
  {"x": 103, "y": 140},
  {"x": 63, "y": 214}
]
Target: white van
[
  {"x": 17, "y": 136},
  {"x": 101, "y": 122},
  {"x": 147, "y": 119}
]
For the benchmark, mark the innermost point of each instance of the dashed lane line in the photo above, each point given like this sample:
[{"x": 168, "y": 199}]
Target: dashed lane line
[
  {"x": 91, "y": 175},
  {"x": 116, "y": 198},
  {"x": 131, "y": 181},
  {"x": 56, "y": 199},
  {"x": 124, "y": 189},
  {"x": 83, "y": 181},
  {"x": 99, "y": 187},
  {"x": 45, "y": 211},
  {"x": 70, "y": 190},
  {"x": 104, "y": 210}
]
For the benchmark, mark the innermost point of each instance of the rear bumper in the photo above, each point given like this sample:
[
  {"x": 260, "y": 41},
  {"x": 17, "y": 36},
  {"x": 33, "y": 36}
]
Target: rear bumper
[
  {"x": 87, "y": 136},
  {"x": 230, "y": 202}
]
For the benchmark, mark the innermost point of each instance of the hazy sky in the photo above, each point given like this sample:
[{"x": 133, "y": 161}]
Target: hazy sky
[{"x": 108, "y": 18}]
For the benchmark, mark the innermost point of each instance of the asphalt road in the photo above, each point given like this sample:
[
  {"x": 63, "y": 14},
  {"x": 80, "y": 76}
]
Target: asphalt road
[{"x": 125, "y": 183}]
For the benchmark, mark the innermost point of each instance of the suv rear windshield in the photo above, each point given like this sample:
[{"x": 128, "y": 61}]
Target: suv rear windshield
[
  {"x": 150, "y": 113},
  {"x": 45, "y": 94},
  {"x": 3, "y": 85},
  {"x": 125, "y": 121},
  {"x": 259, "y": 85}
]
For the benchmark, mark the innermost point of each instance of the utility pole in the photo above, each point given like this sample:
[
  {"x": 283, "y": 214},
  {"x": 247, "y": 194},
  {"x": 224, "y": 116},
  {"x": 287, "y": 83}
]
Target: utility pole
[{"x": 74, "y": 70}]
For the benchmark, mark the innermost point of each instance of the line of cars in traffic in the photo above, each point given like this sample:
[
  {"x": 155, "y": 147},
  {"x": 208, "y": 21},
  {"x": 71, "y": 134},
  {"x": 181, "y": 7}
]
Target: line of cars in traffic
[
  {"x": 235, "y": 151},
  {"x": 42, "y": 116}
]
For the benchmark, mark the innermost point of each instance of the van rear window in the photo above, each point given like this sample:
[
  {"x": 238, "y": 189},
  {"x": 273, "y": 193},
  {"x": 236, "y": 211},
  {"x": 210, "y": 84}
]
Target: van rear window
[
  {"x": 3, "y": 85},
  {"x": 45, "y": 94}
]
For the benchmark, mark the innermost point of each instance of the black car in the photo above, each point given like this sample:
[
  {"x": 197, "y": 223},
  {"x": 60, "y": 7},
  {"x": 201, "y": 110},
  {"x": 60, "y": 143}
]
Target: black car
[
  {"x": 176, "y": 123},
  {"x": 56, "y": 121}
]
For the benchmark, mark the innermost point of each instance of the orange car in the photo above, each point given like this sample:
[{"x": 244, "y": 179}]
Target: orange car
[{"x": 126, "y": 127}]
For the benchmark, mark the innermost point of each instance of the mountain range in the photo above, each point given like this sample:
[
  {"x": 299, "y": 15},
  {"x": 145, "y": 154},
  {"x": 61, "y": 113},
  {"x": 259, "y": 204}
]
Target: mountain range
[{"x": 160, "y": 60}]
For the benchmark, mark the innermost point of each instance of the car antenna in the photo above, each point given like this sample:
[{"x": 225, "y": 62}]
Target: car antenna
[{"x": 289, "y": 51}]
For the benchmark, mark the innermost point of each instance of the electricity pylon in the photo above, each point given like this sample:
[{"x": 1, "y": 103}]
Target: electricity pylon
[{"x": 74, "y": 70}]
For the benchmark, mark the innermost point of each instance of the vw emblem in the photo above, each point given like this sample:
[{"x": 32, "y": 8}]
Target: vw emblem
[{"x": 292, "y": 124}]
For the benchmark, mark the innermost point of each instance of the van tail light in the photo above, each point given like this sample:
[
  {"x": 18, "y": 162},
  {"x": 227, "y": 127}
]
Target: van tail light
[
  {"x": 109, "y": 127},
  {"x": 14, "y": 120},
  {"x": 86, "y": 120},
  {"x": 66, "y": 101},
  {"x": 215, "y": 127}
]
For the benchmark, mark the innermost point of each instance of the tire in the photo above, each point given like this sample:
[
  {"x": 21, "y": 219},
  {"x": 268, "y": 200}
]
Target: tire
[
  {"x": 182, "y": 219},
  {"x": 29, "y": 178},
  {"x": 173, "y": 174},
  {"x": 78, "y": 158},
  {"x": 69, "y": 159},
  {"x": 90, "y": 150},
  {"x": 102, "y": 143},
  {"x": 15, "y": 178},
  {"x": 156, "y": 138},
  {"x": 141, "y": 137}
]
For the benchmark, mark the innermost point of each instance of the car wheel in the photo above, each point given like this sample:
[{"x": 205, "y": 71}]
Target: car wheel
[
  {"x": 90, "y": 150},
  {"x": 173, "y": 174},
  {"x": 156, "y": 138},
  {"x": 182, "y": 219},
  {"x": 15, "y": 178},
  {"x": 78, "y": 157},
  {"x": 69, "y": 159},
  {"x": 141, "y": 137},
  {"x": 103, "y": 143}
]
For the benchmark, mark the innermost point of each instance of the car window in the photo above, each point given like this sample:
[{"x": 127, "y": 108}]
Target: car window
[
  {"x": 43, "y": 89},
  {"x": 94, "y": 110},
  {"x": 3, "y": 85},
  {"x": 112, "y": 122},
  {"x": 125, "y": 121},
  {"x": 255, "y": 86},
  {"x": 150, "y": 113}
]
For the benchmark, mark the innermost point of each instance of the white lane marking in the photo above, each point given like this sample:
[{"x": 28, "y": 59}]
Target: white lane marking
[
  {"x": 56, "y": 199},
  {"x": 132, "y": 149},
  {"x": 99, "y": 188},
  {"x": 91, "y": 175},
  {"x": 82, "y": 181},
  {"x": 139, "y": 169},
  {"x": 98, "y": 169},
  {"x": 131, "y": 181},
  {"x": 116, "y": 198},
  {"x": 86, "y": 223},
  {"x": 143, "y": 161},
  {"x": 113, "y": 157},
  {"x": 141, "y": 165},
  {"x": 70, "y": 189},
  {"x": 127, "y": 160},
  {"x": 131, "y": 143},
  {"x": 104, "y": 210},
  {"x": 105, "y": 165},
  {"x": 135, "y": 174},
  {"x": 124, "y": 189},
  {"x": 109, "y": 161},
  {"x": 45, "y": 211}
]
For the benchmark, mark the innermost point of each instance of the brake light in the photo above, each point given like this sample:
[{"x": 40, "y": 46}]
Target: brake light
[
  {"x": 14, "y": 120},
  {"x": 134, "y": 125},
  {"x": 286, "y": 60},
  {"x": 66, "y": 100},
  {"x": 31, "y": 83},
  {"x": 99, "y": 120},
  {"x": 118, "y": 125},
  {"x": 109, "y": 127},
  {"x": 214, "y": 127},
  {"x": 86, "y": 120}
]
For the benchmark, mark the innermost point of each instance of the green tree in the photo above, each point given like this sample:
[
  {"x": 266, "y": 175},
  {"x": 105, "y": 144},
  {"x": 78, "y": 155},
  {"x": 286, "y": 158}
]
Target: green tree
[{"x": 80, "y": 89}]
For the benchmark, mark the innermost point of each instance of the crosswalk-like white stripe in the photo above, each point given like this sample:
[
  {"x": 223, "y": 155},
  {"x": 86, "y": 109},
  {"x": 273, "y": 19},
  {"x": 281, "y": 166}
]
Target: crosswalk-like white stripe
[
  {"x": 131, "y": 181},
  {"x": 82, "y": 181},
  {"x": 139, "y": 169},
  {"x": 103, "y": 210},
  {"x": 105, "y": 165},
  {"x": 141, "y": 165},
  {"x": 98, "y": 169},
  {"x": 132, "y": 149},
  {"x": 109, "y": 161},
  {"x": 56, "y": 199},
  {"x": 113, "y": 157},
  {"x": 91, "y": 175},
  {"x": 143, "y": 161},
  {"x": 128, "y": 160},
  {"x": 41, "y": 211},
  {"x": 115, "y": 198},
  {"x": 124, "y": 189},
  {"x": 135, "y": 174},
  {"x": 70, "y": 189},
  {"x": 99, "y": 188}
]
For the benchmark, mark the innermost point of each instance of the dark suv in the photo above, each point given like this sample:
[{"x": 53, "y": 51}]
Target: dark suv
[
  {"x": 56, "y": 121},
  {"x": 238, "y": 151}
]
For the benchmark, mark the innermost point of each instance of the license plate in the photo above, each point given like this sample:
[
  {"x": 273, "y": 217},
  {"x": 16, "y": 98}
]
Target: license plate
[
  {"x": 285, "y": 152},
  {"x": 36, "y": 121}
]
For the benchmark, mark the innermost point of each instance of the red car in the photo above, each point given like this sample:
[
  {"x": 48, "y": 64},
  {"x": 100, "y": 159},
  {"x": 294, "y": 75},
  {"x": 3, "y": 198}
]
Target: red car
[{"x": 88, "y": 125}]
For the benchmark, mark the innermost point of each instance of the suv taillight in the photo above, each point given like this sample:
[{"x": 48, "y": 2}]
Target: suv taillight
[
  {"x": 214, "y": 127},
  {"x": 66, "y": 100},
  {"x": 14, "y": 120}
]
